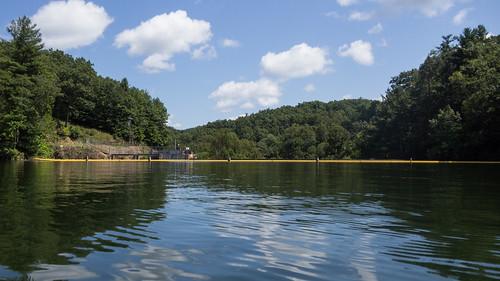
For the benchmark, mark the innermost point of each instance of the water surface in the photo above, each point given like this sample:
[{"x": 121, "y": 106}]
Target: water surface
[{"x": 267, "y": 221}]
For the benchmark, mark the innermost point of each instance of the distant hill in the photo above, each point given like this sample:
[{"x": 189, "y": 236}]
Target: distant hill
[
  {"x": 306, "y": 131},
  {"x": 448, "y": 108}
]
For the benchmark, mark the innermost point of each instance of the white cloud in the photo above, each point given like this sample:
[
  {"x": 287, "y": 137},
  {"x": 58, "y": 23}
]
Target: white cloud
[
  {"x": 346, "y": 97},
  {"x": 360, "y": 51},
  {"x": 236, "y": 117},
  {"x": 229, "y": 95},
  {"x": 459, "y": 18},
  {"x": 361, "y": 16},
  {"x": 173, "y": 123},
  {"x": 156, "y": 63},
  {"x": 230, "y": 43},
  {"x": 205, "y": 52},
  {"x": 247, "y": 105},
  {"x": 163, "y": 36},
  {"x": 71, "y": 24},
  {"x": 333, "y": 14},
  {"x": 299, "y": 61},
  {"x": 383, "y": 43},
  {"x": 429, "y": 8},
  {"x": 309, "y": 88},
  {"x": 177, "y": 125},
  {"x": 376, "y": 29},
  {"x": 345, "y": 3}
]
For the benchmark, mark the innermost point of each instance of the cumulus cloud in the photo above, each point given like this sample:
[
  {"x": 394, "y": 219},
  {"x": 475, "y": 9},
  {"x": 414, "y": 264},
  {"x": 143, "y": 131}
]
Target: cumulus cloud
[
  {"x": 246, "y": 95},
  {"x": 333, "y": 14},
  {"x": 376, "y": 29},
  {"x": 360, "y": 16},
  {"x": 156, "y": 63},
  {"x": 205, "y": 52},
  {"x": 429, "y": 8},
  {"x": 236, "y": 117},
  {"x": 309, "y": 88},
  {"x": 299, "y": 61},
  {"x": 162, "y": 37},
  {"x": 230, "y": 43},
  {"x": 459, "y": 18},
  {"x": 71, "y": 24},
  {"x": 360, "y": 51},
  {"x": 173, "y": 123},
  {"x": 345, "y": 3}
]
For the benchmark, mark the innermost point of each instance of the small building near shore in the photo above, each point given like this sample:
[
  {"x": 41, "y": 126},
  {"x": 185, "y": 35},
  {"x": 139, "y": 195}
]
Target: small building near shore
[{"x": 185, "y": 154}]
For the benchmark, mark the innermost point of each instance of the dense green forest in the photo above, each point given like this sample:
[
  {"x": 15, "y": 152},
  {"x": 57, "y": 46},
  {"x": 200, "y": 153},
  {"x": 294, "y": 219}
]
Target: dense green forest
[
  {"x": 42, "y": 91},
  {"x": 448, "y": 108}
]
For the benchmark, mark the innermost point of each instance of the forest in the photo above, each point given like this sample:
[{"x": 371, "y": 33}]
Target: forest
[
  {"x": 43, "y": 91},
  {"x": 448, "y": 109}
]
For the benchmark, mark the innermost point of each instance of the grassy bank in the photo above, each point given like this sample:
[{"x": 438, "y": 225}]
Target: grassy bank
[{"x": 77, "y": 142}]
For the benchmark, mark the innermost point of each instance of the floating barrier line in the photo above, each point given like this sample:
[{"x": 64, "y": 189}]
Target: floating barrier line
[{"x": 271, "y": 161}]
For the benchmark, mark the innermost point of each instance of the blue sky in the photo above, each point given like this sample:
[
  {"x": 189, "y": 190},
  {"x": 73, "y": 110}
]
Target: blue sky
[{"x": 217, "y": 59}]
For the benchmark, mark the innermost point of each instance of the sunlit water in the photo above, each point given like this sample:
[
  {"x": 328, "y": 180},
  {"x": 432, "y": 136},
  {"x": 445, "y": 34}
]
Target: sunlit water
[{"x": 141, "y": 221}]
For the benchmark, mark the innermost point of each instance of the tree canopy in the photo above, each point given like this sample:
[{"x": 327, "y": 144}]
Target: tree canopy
[
  {"x": 40, "y": 89},
  {"x": 448, "y": 108}
]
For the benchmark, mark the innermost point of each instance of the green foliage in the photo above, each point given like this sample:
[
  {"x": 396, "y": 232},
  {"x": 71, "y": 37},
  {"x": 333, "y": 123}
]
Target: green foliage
[
  {"x": 307, "y": 131},
  {"x": 269, "y": 146},
  {"x": 448, "y": 108},
  {"x": 45, "y": 150},
  {"x": 427, "y": 112},
  {"x": 106, "y": 104},
  {"x": 38, "y": 86},
  {"x": 446, "y": 134},
  {"x": 75, "y": 132},
  {"x": 27, "y": 89},
  {"x": 299, "y": 142}
]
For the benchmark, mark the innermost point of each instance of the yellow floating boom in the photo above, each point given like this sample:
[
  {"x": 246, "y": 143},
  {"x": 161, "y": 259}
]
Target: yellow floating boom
[{"x": 272, "y": 161}]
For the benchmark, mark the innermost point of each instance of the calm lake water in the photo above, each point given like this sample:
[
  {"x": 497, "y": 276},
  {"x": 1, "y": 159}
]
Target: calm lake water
[{"x": 141, "y": 221}]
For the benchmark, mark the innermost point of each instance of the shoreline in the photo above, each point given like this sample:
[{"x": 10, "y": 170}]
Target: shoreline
[{"x": 395, "y": 161}]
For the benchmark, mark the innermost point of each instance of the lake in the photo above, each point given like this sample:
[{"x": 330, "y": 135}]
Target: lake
[{"x": 266, "y": 221}]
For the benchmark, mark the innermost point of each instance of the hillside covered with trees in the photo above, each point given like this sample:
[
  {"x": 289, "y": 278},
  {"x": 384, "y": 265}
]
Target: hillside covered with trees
[
  {"x": 448, "y": 108},
  {"x": 43, "y": 91}
]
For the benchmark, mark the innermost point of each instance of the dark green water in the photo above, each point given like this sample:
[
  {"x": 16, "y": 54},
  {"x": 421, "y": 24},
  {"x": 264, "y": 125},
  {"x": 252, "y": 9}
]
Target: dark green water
[{"x": 140, "y": 221}]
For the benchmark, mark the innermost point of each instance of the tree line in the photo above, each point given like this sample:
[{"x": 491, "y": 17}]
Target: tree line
[
  {"x": 447, "y": 108},
  {"x": 44, "y": 90}
]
